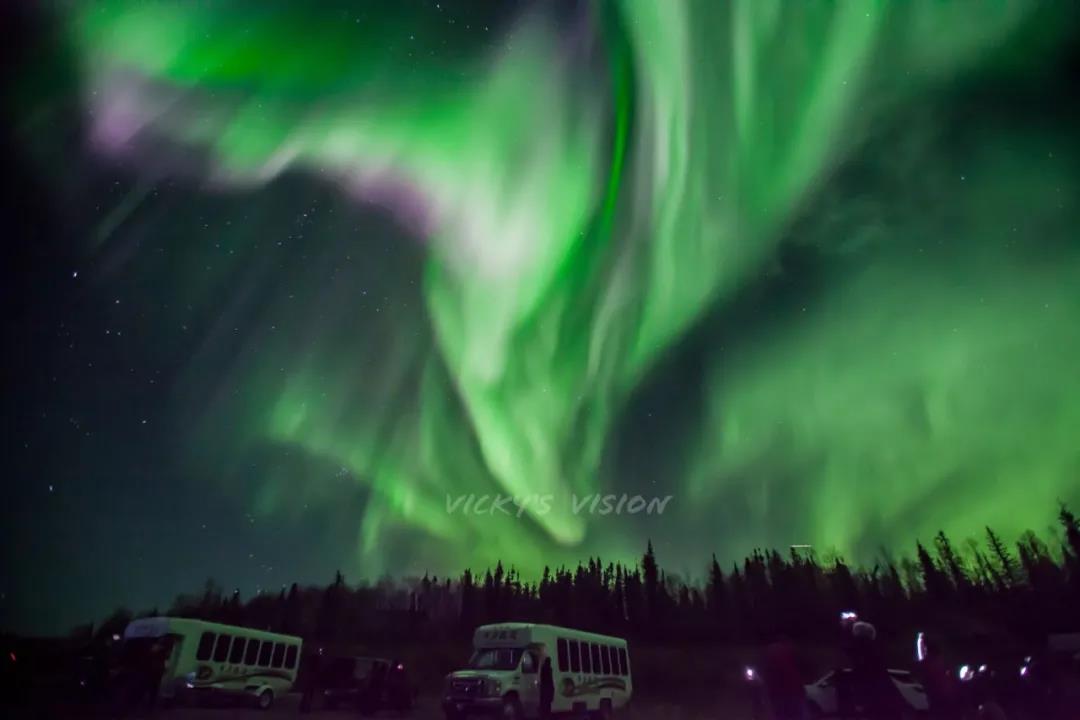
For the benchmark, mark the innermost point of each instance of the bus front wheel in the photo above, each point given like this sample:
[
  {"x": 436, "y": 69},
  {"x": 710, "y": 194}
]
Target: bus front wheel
[
  {"x": 264, "y": 700},
  {"x": 511, "y": 709}
]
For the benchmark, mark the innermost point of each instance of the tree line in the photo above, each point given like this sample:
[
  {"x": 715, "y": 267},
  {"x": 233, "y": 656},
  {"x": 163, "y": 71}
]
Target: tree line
[{"x": 1025, "y": 589}]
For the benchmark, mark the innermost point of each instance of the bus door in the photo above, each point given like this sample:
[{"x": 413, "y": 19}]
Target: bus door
[
  {"x": 174, "y": 646},
  {"x": 529, "y": 685}
]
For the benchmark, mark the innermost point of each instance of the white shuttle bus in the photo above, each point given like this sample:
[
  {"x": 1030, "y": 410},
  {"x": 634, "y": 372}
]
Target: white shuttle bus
[
  {"x": 206, "y": 658},
  {"x": 590, "y": 672}
]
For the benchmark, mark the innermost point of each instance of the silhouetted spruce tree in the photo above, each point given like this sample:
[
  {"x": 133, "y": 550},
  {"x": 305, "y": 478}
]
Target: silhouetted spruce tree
[
  {"x": 330, "y": 609},
  {"x": 717, "y": 596},
  {"x": 893, "y": 595},
  {"x": 986, "y": 575},
  {"x": 936, "y": 582},
  {"x": 1007, "y": 570},
  {"x": 1072, "y": 533},
  {"x": 952, "y": 563},
  {"x": 684, "y": 604},
  {"x": 424, "y": 601},
  {"x": 209, "y": 607},
  {"x": 292, "y": 612},
  {"x": 231, "y": 611},
  {"x": 619, "y": 597},
  {"x": 1043, "y": 574},
  {"x": 489, "y": 592},
  {"x": 845, "y": 590},
  {"x": 467, "y": 615},
  {"x": 277, "y": 616},
  {"x": 567, "y": 597},
  {"x": 635, "y": 599},
  {"x": 740, "y": 602},
  {"x": 1072, "y": 552},
  {"x": 650, "y": 573}
]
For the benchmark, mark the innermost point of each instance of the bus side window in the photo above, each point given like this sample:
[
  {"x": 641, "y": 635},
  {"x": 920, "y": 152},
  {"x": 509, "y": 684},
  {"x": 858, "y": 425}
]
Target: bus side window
[
  {"x": 237, "y": 652},
  {"x": 596, "y": 658},
  {"x": 605, "y": 658},
  {"x": 290, "y": 657},
  {"x": 264, "y": 654},
  {"x": 279, "y": 655},
  {"x": 252, "y": 652},
  {"x": 586, "y": 664},
  {"x": 221, "y": 650},
  {"x": 206, "y": 646},
  {"x": 564, "y": 663},
  {"x": 575, "y": 664},
  {"x": 624, "y": 664}
]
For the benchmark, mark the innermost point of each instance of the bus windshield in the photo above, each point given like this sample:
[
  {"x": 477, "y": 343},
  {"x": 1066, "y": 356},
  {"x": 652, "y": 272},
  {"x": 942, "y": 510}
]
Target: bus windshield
[{"x": 496, "y": 658}]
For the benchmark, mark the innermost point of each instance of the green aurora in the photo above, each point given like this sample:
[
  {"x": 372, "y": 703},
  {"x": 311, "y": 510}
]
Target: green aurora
[{"x": 805, "y": 267}]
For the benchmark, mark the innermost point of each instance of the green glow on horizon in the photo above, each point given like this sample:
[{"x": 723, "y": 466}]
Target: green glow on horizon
[{"x": 582, "y": 219}]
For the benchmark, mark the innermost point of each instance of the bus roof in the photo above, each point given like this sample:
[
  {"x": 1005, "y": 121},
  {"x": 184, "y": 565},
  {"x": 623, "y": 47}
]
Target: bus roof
[
  {"x": 518, "y": 634},
  {"x": 158, "y": 626}
]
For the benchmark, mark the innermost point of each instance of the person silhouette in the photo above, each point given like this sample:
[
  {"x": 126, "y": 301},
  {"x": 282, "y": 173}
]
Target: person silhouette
[
  {"x": 783, "y": 680},
  {"x": 311, "y": 682},
  {"x": 547, "y": 688}
]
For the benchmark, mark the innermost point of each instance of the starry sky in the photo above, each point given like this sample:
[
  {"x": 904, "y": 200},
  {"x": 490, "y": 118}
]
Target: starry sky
[{"x": 284, "y": 279}]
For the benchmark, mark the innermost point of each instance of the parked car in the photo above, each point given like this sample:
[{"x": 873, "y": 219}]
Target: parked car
[
  {"x": 822, "y": 700},
  {"x": 366, "y": 684}
]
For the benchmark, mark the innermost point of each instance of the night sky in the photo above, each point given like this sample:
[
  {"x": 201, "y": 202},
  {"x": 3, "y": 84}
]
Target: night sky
[{"x": 284, "y": 279}]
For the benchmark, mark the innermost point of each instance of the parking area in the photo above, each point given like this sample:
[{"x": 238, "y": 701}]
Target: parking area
[{"x": 426, "y": 708}]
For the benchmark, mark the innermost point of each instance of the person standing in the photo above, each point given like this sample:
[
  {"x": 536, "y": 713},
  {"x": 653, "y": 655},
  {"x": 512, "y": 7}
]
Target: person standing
[
  {"x": 940, "y": 686},
  {"x": 783, "y": 681},
  {"x": 311, "y": 682},
  {"x": 547, "y": 688},
  {"x": 377, "y": 688},
  {"x": 846, "y": 700},
  {"x": 151, "y": 677},
  {"x": 874, "y": 690}
]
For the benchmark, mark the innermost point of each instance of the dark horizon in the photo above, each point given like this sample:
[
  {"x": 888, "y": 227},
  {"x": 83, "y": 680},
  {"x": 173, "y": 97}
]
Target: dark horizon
[{"x": 995, "y": 583}]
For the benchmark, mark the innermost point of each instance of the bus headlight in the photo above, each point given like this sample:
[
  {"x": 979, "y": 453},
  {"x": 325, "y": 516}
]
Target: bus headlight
[{"x": 494, "y": 687}]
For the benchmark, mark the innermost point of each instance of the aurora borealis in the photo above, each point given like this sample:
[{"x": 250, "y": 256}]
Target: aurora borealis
[{"x": 812, "y": 269}]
